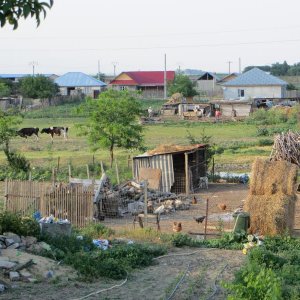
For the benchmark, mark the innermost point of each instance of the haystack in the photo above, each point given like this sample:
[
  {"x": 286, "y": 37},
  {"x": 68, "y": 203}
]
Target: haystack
[{"x": 271, "y": 199}]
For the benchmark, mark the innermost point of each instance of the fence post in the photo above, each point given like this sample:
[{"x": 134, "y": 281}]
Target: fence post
[
  {"x": 70, "y": 173},
  {"x": 206, "y": 217},
  {"x": 146, "y": 202},
  {"x": 58, "y": 161},
  {"x": 5, "y": 194},
  {"x": 213, "y": 169},
  {"x": 102, "y": 168},
  {"x": 88, "y": 171},
  {"x": 117, "y": 173},
  {"x": 187, "y": 180}
]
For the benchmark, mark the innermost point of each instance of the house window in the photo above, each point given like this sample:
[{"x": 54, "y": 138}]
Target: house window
[
  {"x": 241, "y": 93},
  {"x": 123, "y": 88}
]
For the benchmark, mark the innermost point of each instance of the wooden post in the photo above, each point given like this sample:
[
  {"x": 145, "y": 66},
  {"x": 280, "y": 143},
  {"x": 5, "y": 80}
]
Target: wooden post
[
  {"x": 117, "y": 173},
  {"x": 213, "y": 169},
  {"x": 70, "y": 173},
  {"x": 146, "y": 202},
  {"x": 58, "y": 160},
  {"x": 187, "y": 180},
  {"x": 206, "y": 217},
  {"x": 53, "y": 176},
  {"x": 132, "y": 167},
  {"x": 102, "y": 168},
  {"x": 5, "y": 194},
  {"x": 128, "y": 161},
  {"x": 88, "y": 171},
  {"x": 30, "y": 176}
]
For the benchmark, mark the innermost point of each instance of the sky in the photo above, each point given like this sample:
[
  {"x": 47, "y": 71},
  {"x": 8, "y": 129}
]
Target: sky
[{"x": 135, "y": 35}]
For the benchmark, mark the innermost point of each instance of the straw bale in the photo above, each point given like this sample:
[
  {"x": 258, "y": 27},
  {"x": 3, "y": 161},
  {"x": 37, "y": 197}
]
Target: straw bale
[
  {"x": 164, "y": 149},
  {"x": 271, "y": 214},
  {"x": 269, "y": 178}
]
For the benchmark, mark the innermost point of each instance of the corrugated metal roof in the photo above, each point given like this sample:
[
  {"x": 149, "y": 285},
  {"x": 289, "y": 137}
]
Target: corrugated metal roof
[
  {"x": 255, "y": 77},
  {"x": 7, "y": 76},
  {"x": 73, "y": 79},
  {"x": 209, "y": 73}
]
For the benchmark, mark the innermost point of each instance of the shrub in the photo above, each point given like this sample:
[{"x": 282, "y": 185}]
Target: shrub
[
  {"x": 11, "y": 222},
  {"x": 262, "y": 131},
  {"x": 98, "y": 230},
  {"x": 265, "y": 142}
]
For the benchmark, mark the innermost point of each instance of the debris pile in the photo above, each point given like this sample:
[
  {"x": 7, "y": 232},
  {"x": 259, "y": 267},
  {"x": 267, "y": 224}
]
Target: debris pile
[{"x": 130, "y": 198}]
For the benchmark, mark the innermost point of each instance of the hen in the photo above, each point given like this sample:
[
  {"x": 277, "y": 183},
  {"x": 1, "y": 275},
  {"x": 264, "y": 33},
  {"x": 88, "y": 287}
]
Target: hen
[
  {"x": 222, "y": 206},
  {"x": 194, "y": 201},
  {"x": 199, "y": 219},
  {"x": 177, "y": 227}
]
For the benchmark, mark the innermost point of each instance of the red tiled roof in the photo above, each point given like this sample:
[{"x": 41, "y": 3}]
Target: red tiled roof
[
  {"x": 146, "y": 78},
  {"x": 123, "y": 82}
]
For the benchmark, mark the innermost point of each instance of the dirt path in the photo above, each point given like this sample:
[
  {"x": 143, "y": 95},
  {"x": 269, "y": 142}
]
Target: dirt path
[{"x": 155, "y": 282}]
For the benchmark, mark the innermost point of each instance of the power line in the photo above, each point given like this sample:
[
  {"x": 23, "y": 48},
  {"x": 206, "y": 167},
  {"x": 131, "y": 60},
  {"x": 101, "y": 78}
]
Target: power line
[{"x": 159, "y": 47}]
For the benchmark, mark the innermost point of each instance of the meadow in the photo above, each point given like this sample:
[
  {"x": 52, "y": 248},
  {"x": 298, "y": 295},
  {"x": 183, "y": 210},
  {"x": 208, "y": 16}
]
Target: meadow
[{"x": 235, "y": 143}]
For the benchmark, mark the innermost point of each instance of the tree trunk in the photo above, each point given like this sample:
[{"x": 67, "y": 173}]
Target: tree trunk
[{"x": 111, "y": 150}]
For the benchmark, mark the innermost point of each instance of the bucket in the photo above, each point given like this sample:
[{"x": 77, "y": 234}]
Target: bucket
[{"x": 242, "y": 221}]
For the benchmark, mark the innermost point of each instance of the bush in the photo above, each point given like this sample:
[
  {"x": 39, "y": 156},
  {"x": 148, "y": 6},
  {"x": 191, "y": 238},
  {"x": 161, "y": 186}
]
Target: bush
[
  {"x": 98, "y": 230},
  {"x": 11, "y": 222},
  {"x": 265, "y": 142},
  {"x": 262, "y": 131}
]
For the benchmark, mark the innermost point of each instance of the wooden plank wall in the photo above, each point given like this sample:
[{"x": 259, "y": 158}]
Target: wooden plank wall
[{"x": 64, "y": 201}]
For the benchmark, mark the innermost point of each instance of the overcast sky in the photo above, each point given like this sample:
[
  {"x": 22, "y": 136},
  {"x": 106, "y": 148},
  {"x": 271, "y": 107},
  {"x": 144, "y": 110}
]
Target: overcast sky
[{"x": 195, "y": 34}]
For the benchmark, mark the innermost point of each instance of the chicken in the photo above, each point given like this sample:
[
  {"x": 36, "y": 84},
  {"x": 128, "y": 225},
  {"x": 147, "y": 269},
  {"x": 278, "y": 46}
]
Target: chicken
[
  {"x": 177, "y": 227},
  {"x": 194, "y": 201},
  {"x": 199, "y": 219},
  {"x": 159, "y": 210},
  {"x": 222, "y": 206}
]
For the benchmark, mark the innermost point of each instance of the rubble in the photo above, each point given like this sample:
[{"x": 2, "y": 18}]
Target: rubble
[{"x": 129, "y": 197}]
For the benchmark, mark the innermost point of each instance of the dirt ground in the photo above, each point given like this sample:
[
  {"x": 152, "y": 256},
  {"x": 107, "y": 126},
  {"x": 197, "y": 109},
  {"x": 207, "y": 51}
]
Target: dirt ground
[
  {"x": 232, "y": 195},
  {"x": 203, "y": 269}
]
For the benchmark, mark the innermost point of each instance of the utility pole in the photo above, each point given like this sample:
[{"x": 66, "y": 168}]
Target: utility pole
[
  {"x": 165, "y": 78},
  {"x": 33, "y": 64},
  {"x": 240, "y": 65},
  {"x": 115, "y": 63},
  {"x": 98, "y": 69},
  {"x": 229, "y": 63}
]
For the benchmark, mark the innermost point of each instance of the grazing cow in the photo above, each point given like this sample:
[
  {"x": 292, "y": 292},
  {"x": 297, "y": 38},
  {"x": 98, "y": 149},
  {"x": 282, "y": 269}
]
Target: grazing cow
[
  {"x": 56, "y": 130},
  {"x": 26, "y": 132}
]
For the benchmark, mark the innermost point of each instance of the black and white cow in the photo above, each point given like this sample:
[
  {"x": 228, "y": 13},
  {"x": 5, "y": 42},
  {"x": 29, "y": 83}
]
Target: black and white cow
[
  {"x": 56, "y": 131},
  {"x": 26, "y": 132}
]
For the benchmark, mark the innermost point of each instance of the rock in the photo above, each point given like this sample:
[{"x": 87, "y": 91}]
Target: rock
[
  {"x": 30, "y": 240},
  {"x": 38, "y": 247},
  {"x": 2, "y": 245},
  {"x": 14, "y": 246},
  {"x": 12, "y": 236},
  {"x": 25, "y": 275},
  {"x": 9, "y": 242},
  {"x": 4, "y": 264},
  {"x": 2, "y": 288},
  {"x": 49, "y": 274},
  {"x": 4, "y": 258},
  {"x": 2, "y": 238},
  {"x": 31, "y": 280},
  {"x": 14, "y": 276}
]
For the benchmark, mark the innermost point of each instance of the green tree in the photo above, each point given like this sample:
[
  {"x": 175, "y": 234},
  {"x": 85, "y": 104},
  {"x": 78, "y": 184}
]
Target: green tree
[
  {"x": 38, "y": 87},
  {"x": 182, "y": 84},
  {"x": 12, "y": 10},
  {"x": 112, "y": 121},
  {"x": 4, "y": 90}
]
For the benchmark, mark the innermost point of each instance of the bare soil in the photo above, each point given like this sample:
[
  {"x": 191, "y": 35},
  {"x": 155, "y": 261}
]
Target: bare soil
[{"x": 155, "y": 282}]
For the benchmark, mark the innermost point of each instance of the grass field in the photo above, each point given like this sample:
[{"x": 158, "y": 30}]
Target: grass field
[{"x": 238, "y": 141}]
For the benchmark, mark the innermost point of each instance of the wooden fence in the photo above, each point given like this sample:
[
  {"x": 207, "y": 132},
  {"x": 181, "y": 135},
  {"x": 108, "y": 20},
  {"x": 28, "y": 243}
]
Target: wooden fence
[{"x": 64, "y": 201}]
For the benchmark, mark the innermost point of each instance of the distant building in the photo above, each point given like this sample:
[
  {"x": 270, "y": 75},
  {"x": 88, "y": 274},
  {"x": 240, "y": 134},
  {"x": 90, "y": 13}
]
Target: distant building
[
  {"x": 74, "y": 83},
  {"x": 18, "y": 77},
  {"x": 151, "y": 83},
  {"x": 228, "y": 77},
  {"x": 207, "y": 84},
  {"x": 254, "y": 84}
]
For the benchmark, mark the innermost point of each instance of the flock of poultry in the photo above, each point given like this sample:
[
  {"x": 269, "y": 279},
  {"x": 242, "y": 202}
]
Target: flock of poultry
[{"x": 177, "y": 226}]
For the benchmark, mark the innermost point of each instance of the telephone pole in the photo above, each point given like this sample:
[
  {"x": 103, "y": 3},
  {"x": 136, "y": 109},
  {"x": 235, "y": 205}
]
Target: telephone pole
[
  {"x": 165, "y": 78},
  {"x": 115, "y": 63},
  {"x": 240, "y": 65},
  {"x": 33, "y": 64},
  {"x": 229, "y": 63},
  {"x": 98, "y": 69}
]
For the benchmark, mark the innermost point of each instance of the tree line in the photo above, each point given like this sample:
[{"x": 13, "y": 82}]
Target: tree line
[{"x": 279, "y": 69}]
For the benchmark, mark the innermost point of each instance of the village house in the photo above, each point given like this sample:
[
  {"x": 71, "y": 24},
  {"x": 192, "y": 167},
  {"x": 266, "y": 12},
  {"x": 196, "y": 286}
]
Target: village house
[
  {"x": 150, "y": 83},
  {"x": 75, "y": 83},
  {"x": 207, "y": 84},
  {"x": 254, "y": 84}
]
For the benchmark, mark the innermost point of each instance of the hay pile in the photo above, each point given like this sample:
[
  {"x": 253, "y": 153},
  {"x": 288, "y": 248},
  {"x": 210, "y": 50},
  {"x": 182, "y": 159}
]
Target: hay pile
[
  {"x": 287, "y": 147},
  {"x": 271, "y": 199}
]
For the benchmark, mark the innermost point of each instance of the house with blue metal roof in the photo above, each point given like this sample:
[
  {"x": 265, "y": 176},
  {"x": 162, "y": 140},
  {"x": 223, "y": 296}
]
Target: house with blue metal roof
[
  {"x": 254, "y": 84},
  {"x": 74, "y": 83}
]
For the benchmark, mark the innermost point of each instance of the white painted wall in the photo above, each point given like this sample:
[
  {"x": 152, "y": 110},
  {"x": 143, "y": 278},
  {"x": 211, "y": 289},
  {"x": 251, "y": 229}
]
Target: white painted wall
[{"x": 254, "y": 92}]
